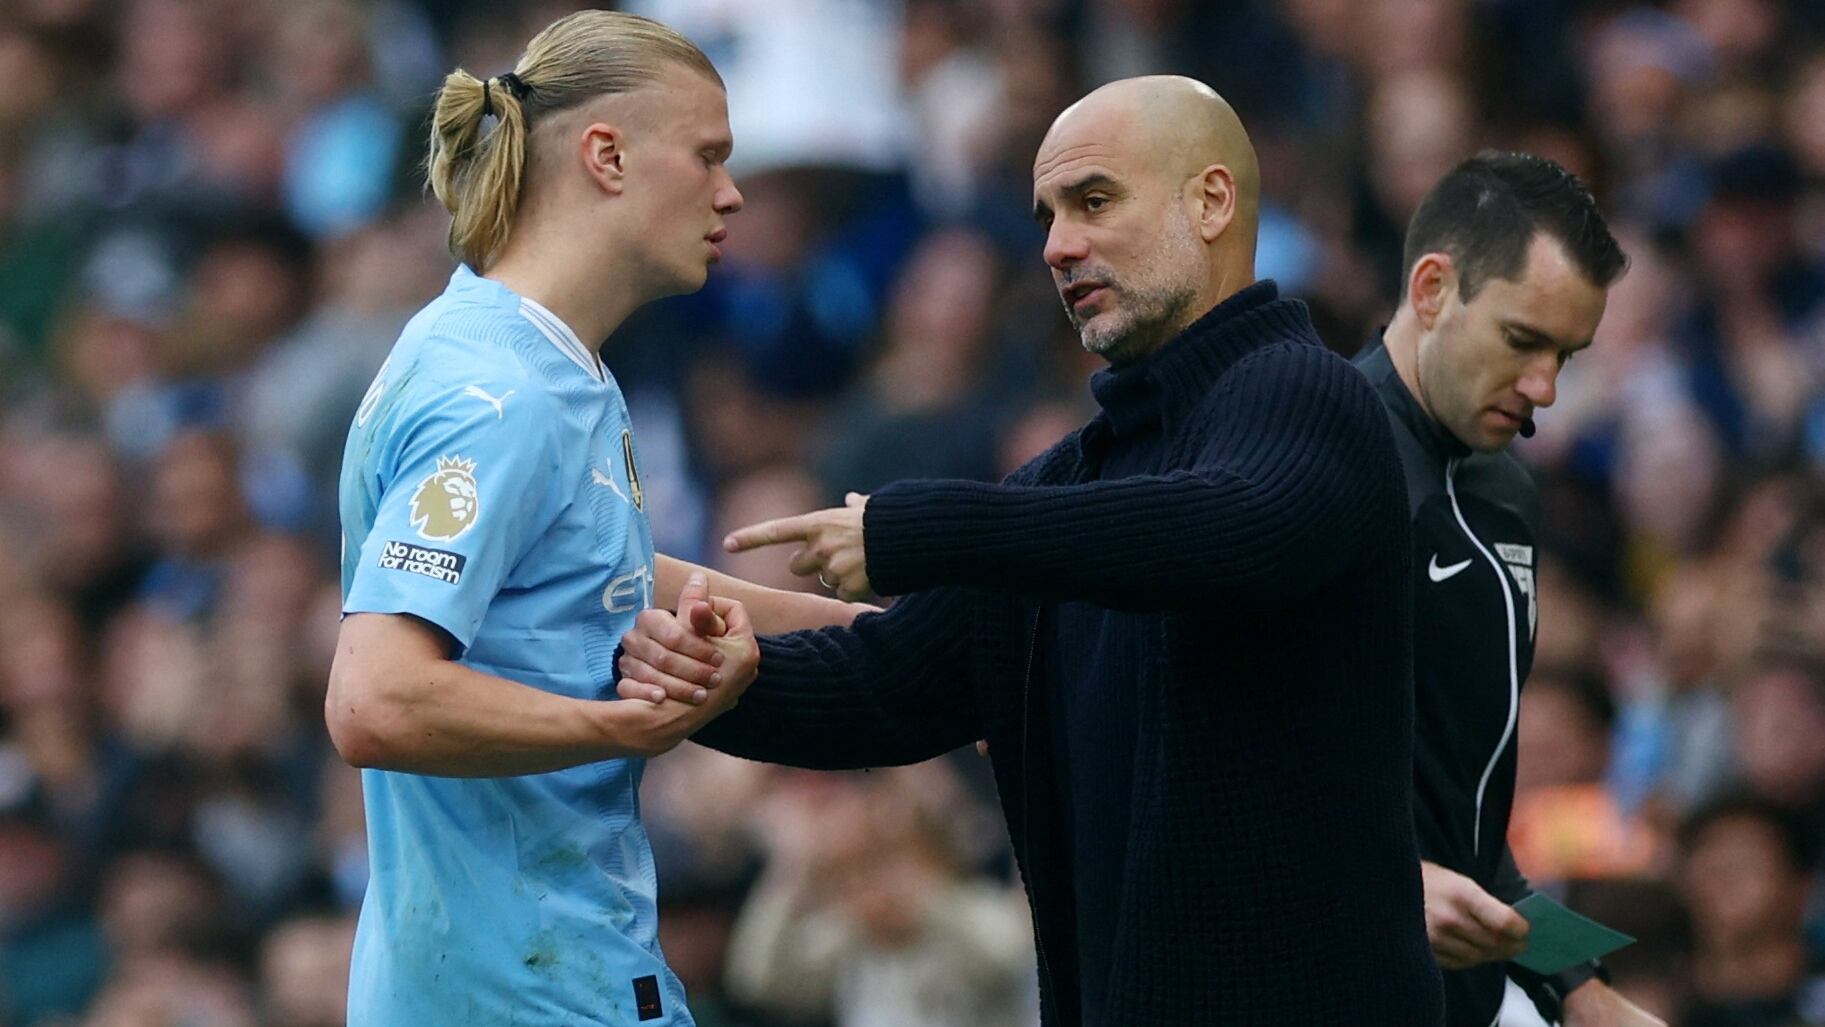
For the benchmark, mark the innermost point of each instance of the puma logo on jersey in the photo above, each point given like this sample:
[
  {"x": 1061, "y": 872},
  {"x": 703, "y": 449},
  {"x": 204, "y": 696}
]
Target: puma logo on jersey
[
  {"x": 608, "y": 481},
  {"x": 1437, "y": 573},
  {"x": 633, "y": 497},
  {"x": 499, "y": 405}
]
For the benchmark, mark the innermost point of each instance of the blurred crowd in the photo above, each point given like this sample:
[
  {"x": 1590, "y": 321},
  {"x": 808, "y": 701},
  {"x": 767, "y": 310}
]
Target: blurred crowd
[{"x": 212, "y": 227}]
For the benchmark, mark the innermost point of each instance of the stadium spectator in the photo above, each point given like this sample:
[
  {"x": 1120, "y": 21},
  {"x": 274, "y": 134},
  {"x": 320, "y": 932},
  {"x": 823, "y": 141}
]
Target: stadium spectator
[{"x": 1744, "y": 881}]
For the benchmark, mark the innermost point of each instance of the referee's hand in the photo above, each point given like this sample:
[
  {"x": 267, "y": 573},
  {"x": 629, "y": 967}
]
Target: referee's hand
[{"x": 1466, "y": 925}]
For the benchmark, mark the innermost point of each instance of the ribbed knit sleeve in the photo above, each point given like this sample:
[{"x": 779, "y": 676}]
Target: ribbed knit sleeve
[
  {"x": 1295, "y": 455},
  {"x": 893, "y": 688}
]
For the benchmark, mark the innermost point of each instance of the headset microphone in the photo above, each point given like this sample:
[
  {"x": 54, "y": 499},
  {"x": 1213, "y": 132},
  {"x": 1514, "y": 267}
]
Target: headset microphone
[{"x": 1527, "y": 427}]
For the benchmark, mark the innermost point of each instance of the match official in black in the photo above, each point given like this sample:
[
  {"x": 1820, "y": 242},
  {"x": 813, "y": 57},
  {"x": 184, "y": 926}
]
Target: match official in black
[{"x": 1508, "y": 264}]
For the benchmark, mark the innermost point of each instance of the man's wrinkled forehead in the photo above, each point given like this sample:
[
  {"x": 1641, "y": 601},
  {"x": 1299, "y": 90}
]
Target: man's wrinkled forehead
[
  {"x": 1059, "y": 170},
  {"x": 1084, "y": 144}
]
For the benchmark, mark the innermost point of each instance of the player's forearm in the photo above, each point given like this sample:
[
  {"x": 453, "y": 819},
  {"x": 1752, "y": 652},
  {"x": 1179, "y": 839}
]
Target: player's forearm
[
  {"x": 774, "y": 611},
  {"x": 439, "y": 717}
]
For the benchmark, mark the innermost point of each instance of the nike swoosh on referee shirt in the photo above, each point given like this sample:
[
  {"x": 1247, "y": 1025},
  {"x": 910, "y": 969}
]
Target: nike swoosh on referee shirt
[{"x": 1437, "y": 573}]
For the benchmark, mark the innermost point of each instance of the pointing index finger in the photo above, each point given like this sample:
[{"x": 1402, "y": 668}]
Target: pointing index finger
[{"x": 768, "y": 533}]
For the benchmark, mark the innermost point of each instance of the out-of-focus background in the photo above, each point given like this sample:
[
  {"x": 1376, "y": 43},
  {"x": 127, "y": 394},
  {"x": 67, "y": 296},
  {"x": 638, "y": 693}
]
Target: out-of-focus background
[{"x": 211, "y": 229}]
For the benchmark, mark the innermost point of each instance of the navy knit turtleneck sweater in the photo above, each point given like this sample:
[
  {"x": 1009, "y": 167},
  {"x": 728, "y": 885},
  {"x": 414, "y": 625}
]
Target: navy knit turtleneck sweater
[
  {"x": 1186, "y": 638},
  {"x": 1089, "y": 670}
]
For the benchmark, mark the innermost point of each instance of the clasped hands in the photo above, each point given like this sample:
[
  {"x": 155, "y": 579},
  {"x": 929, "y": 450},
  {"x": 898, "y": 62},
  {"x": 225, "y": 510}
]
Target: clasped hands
[
  {"x": 691, "y": 654},
  {"x": 704, "y": 650}
]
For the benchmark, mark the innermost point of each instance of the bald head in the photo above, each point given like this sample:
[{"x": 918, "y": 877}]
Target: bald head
[
  {"x": 1149, "y": 185},
  {"x": 1178, "y": 125}
]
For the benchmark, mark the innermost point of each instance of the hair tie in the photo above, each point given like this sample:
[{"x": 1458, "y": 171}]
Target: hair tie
[{"x": 515, "y": 86}]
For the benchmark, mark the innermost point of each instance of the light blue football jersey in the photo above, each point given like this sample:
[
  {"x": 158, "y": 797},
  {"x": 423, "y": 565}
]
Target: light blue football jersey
[{"x": 490, "y": 487}]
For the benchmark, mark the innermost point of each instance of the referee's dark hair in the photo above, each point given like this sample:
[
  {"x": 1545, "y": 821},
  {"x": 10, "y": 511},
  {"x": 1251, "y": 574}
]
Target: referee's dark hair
[{"x": 1486, "y": 211}]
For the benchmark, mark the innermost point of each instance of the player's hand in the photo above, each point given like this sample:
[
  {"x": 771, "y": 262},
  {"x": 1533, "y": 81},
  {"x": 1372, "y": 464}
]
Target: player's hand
[
  {"x": 675, "y": 656},
  {"x": 830, "y": 545},
  {"x": 656, "y": 725},
  {"x": 1466, "y": 925},
  {"x": 693, "y": 656},
  {"x": 1596, "y": 1004}
]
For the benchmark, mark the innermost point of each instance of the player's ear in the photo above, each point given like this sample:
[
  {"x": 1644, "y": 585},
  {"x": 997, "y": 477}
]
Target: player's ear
[{"x": 603, "y": 157}]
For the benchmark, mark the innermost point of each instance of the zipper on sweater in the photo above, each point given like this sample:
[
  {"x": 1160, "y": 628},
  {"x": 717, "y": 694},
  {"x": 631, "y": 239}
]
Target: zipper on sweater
[
  {"x": 1514, "y": 667},
  {"x": 1026, "y": 794}
]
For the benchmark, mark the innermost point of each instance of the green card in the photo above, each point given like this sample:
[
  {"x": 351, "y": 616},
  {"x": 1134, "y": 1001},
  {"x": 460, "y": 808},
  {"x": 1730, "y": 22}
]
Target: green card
[{"x": 1558, "y": 938}]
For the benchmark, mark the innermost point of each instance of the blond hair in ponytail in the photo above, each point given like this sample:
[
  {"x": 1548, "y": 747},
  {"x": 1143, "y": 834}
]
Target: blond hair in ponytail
[{"x": 479, "y": 178}]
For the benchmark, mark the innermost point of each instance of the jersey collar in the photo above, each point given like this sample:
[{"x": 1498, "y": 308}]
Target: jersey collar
[
  {"x": 561, "y": 336},
  {"x": 549, "y": 324}
]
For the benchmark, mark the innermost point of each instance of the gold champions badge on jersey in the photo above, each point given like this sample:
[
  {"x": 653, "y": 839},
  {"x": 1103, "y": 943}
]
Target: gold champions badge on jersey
[{"x": 446, "y": 505}]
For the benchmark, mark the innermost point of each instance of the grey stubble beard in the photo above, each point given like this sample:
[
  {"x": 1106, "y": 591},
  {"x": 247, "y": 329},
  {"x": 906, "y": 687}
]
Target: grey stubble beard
[
  {"x": 1147, "y": 317},
  {"x": 1142, "y": 324}
]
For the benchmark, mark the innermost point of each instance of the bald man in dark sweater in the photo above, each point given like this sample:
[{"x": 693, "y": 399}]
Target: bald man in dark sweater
[{"x": 1184, "y": 630}]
